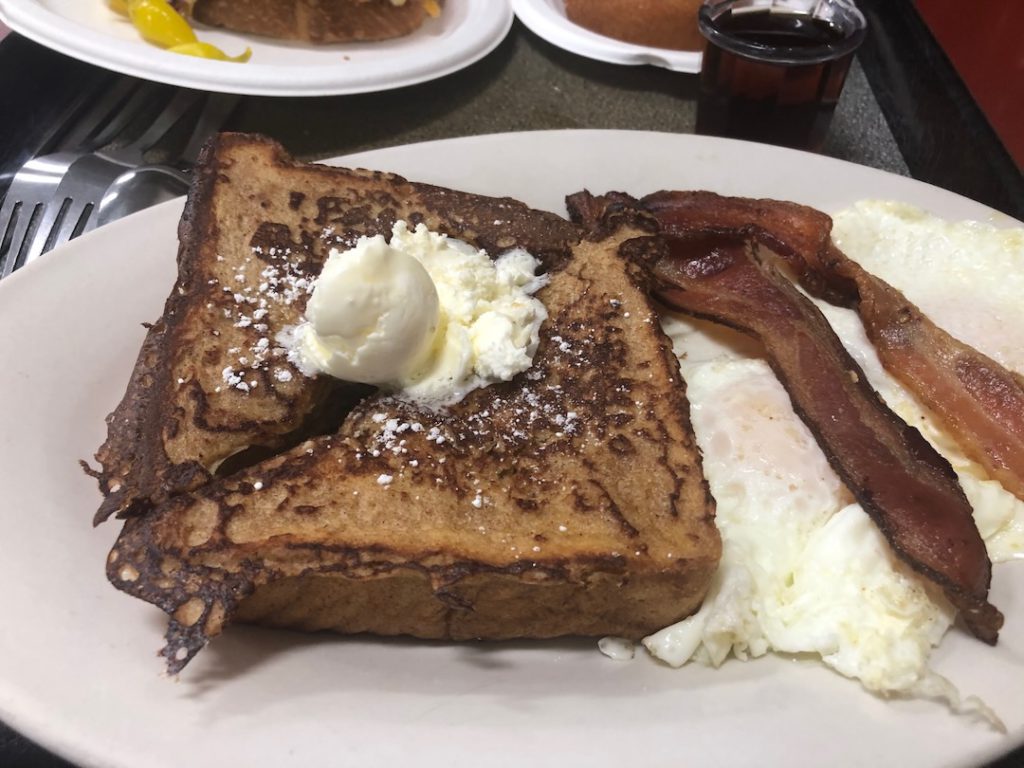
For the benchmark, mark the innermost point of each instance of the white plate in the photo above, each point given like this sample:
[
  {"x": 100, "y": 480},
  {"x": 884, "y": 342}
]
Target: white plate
[
  {"x": 547, "y": 19},
  {"x": 78, "y": 670},
  {"x": 88, "y": 30}
]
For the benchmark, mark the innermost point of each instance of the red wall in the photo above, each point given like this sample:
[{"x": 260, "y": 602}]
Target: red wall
[{"x": 985, "y": 41}]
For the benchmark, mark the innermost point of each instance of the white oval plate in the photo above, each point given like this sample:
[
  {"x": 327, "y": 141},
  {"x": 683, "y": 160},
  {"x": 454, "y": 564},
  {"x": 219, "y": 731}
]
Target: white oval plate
[
  {"x": 78, "y": 665},
  {"x": 547, "y": 19},
  {"x": 466, "y": 31}
]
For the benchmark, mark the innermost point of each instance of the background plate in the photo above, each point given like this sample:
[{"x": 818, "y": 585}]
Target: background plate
[
  {"x": 78, "y": 670},
  {"x": 86, "y": 29},
  {"x": 547, "y": 19}
]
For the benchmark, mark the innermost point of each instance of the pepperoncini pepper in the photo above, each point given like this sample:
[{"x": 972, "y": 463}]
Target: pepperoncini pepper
[
  {"x": 161, "y": 25},
  {"x": 207, "y": 51}
]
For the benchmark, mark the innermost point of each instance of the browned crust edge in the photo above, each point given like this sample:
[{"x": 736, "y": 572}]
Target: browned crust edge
[{"x": 134, "y": 427}]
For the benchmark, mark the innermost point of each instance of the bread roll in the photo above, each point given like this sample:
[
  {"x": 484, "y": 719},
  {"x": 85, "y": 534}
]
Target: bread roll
[{"x": 657, "y": 23}]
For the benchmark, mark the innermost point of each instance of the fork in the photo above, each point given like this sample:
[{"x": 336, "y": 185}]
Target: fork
[
  {"x": 33, "y": 185},
  {"x": 211, "y": 117},
  {"x": 79, "y": 192}
]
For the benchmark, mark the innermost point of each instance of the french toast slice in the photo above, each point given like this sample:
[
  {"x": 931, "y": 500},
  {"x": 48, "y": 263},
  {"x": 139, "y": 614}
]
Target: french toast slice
[
  {"x": 211, "y": 389},
  {"x": 314, "y": 21},
  {"x": 567, "y": 501}
]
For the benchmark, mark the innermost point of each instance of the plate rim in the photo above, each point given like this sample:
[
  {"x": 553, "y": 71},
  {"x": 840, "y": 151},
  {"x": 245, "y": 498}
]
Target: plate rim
[
  {"x": 474, "y": 38},
  {"x": 1016, "y": 737}
]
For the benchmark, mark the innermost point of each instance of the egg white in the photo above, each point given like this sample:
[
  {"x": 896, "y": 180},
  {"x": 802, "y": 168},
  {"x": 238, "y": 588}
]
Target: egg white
[{"x": 804, "y": 570}]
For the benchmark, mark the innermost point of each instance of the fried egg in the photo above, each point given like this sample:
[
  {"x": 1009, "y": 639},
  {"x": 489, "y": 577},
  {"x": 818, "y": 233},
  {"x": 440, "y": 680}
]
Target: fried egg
[{"x": 804, "y": 570}]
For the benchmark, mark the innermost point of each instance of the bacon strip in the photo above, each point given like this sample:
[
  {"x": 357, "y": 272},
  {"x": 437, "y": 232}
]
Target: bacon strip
[
  {"x": 909, "y": 490},
  {"x": 980, "y": 403},
  {"x": 798, "y": 234}
]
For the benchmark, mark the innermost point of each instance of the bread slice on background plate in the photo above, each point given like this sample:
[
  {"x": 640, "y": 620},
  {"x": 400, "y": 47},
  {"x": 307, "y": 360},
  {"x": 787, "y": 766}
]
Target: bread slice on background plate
[{"x": 315, "y": 21}]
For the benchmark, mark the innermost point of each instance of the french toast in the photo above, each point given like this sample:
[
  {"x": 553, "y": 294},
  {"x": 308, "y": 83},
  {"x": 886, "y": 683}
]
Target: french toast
[
  {"x": 314, "y": 21},
  {"x": 567, "y": 501},
  {"x": 211, "y": 389}
]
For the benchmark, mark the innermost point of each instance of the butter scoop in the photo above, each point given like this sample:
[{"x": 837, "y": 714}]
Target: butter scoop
[
  {"x": 372, "y": 316},
  {"x": 425, "y": 317}
]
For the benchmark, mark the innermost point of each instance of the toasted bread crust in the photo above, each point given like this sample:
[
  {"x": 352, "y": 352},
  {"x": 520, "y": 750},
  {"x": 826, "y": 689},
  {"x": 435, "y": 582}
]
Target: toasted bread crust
[
  {"x": 314, "y": 21},
  {"x": 567, "y": 501},
  {"x": 255, "y": 215}
]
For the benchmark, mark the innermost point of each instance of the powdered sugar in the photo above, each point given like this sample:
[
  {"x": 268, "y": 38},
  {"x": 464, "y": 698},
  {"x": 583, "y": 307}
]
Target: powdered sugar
[{"x": 280, "y": 282}]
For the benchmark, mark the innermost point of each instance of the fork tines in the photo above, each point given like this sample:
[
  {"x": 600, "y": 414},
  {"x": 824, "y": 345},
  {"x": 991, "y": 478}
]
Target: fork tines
[{"x": 113, "y": 112}]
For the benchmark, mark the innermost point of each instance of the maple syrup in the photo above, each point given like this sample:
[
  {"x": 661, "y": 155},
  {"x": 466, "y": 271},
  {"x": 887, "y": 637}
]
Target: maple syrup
[{"x": 773, "y": 75}]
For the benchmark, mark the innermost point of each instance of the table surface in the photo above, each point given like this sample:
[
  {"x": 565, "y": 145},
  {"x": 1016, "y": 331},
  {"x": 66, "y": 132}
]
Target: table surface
[{"x": 528, "y": 84}]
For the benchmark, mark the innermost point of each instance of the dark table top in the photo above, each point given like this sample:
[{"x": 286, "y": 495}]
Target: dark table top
[{"x": 903, "y": 110}]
